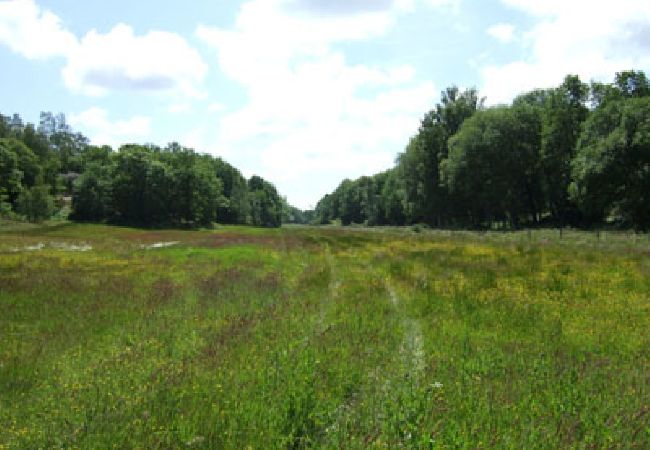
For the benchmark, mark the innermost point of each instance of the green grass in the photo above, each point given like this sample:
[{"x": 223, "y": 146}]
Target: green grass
[{"x": 322, "y": 337}]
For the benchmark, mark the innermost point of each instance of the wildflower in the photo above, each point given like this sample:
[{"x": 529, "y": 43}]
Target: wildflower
[{"x": 437, "y": 385}]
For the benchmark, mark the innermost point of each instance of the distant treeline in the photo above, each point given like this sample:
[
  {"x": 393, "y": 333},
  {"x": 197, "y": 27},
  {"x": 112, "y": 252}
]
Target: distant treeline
[
  {"x": 576, "y": 155},
  {"x": 138, "y": 185}
]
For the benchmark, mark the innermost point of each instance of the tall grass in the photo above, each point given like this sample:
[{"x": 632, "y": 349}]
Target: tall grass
[{"x": 324, "y": 338}]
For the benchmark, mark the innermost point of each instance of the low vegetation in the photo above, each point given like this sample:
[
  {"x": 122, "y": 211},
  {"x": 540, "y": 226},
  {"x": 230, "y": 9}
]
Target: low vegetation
[{"x": 295, "y": 337}]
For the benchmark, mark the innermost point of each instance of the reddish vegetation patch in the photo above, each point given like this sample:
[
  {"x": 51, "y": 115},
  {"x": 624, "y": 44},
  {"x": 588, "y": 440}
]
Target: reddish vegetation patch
[
  {"x": 226, "y": 282},
  {"x": 238, "y": 329},
  {"x": 110, "y": 285},
  {"x": 161, "y": 292},
  {"x": 214, "y": 284},
  {"x": 218, "y": 240},
  {"x": 228, "y": 239}
]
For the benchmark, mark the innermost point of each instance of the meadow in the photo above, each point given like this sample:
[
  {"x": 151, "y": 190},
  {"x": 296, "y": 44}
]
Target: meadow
[{"x": 298, "y": 337}]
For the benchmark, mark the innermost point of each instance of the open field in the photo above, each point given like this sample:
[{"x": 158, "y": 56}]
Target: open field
[{"x": 322, "y": 337}]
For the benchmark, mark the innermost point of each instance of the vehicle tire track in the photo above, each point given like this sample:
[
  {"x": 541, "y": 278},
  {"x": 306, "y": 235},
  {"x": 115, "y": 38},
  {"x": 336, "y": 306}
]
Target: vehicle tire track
[{"x": 412, "y": 348}]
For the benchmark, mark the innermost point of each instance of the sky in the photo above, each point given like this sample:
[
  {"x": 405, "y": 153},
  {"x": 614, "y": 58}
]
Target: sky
[{"x": 303, "y": 93}]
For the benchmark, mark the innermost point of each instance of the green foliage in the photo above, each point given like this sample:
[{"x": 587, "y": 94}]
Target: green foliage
[
  {"x": 291, "y": 214},
  {"x": 143, "y": 185},
  {"x": 426, "y": 196},
  {"x": 36, "y": 203},
  {"x": 4, "y": 126},
  {"x": 493, "y": 166},
  {"x": 632, "y": 84},
  {"x": 10, "y": 175},
  {"x": 5, "y": 206},
  {"x": 265, "y": 203},
  {"x": 361, "y": 201},
  {"x": 612, "y": 166},
  {"x": 564, "y": 111},
  {"x": 93, "y": 194},
  {"x": 171, "y": 186},
  {"x": 28, "y": 163},
  {"x": 236, "y": 206},
  {"x": 508, "y": 166}
]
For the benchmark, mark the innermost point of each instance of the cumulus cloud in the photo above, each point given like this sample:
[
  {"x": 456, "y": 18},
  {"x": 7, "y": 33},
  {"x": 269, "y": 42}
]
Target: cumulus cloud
[
  {"x": 590, "y": 38},
  {"x": 98, "y": 63},
  {"x": 32, "y": 32},
  {"x": 121, "y": 60},
  {"x": 101, "y": 130},
  {"x": 503, "y": 32},
  {"x": 312, "y": 117}
]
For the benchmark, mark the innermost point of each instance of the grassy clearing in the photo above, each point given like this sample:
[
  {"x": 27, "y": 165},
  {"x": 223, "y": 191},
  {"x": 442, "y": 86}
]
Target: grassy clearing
[{"x": 330, "y": 338}]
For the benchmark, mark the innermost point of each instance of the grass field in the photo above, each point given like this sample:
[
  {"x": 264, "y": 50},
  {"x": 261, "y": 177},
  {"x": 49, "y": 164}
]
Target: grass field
[{"x": 322, "y": 337}]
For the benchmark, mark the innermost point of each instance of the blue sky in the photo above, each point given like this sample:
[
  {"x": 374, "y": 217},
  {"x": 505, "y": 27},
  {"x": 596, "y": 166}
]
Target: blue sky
[{"x": 301, "y": 92}]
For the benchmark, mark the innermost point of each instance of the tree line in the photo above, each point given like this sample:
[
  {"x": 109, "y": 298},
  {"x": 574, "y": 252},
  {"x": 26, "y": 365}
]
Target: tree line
[
  {"x": 144, "y": 185},
  {"x": 574, "y": 155}
]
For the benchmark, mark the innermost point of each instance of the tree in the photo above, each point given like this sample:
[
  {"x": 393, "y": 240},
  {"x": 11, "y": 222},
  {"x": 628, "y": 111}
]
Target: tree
[
  {"x": 632, "y": 84},
  {"x": 36, "y": 203},
  {"x": 10, "y": 175},
  {"x": 69, "y": 148},
  {"x": 426, "y": 197},
  {"x": 47, "y": 124},
  {"x": 393, "y": 198},
  {"x": 5, "y": 206},
  {"x": 5, "y": 130},
  {"x": 142, "y": 187},
  {"x": 266, "y": 204},
  {"x": 612, "y": 167},
  {"x": 493, "y": 167},
  {"x": 564, "y": 111},
  {"x": 323, "y": 210},
  {"x": 140, "y": 184},
  {"x": 28, "y": 163},
  {"x": 207, "y": 192},
  {"x": 93, "y": 194},
  {"x": 235, "y": 206},
  {"x": 16, "y": 124}
]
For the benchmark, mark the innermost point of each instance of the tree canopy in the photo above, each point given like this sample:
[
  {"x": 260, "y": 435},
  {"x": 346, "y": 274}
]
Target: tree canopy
[
  {"x": 141, "y": 185},
  {"x": 575, "y": 155}
]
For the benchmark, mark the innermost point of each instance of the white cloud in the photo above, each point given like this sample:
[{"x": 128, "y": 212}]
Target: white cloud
[
  {"x": 121, "y": 60},
  {"x": 503, "y": 32},
  {"x": 179, "y": 108},
  {"x": 444, "y": 3},
  {"x": 95, "y": 124},
  {"x": 32, "y": 32},
  {"x": 591, "y": 38},
  {"x": 98, "y": 63},
  {"x": 216, "y": 107},
  {"x": 313, "y": 118},
  {"x": 452, "y": 6},
  {"x": 345, "y": 7}
]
